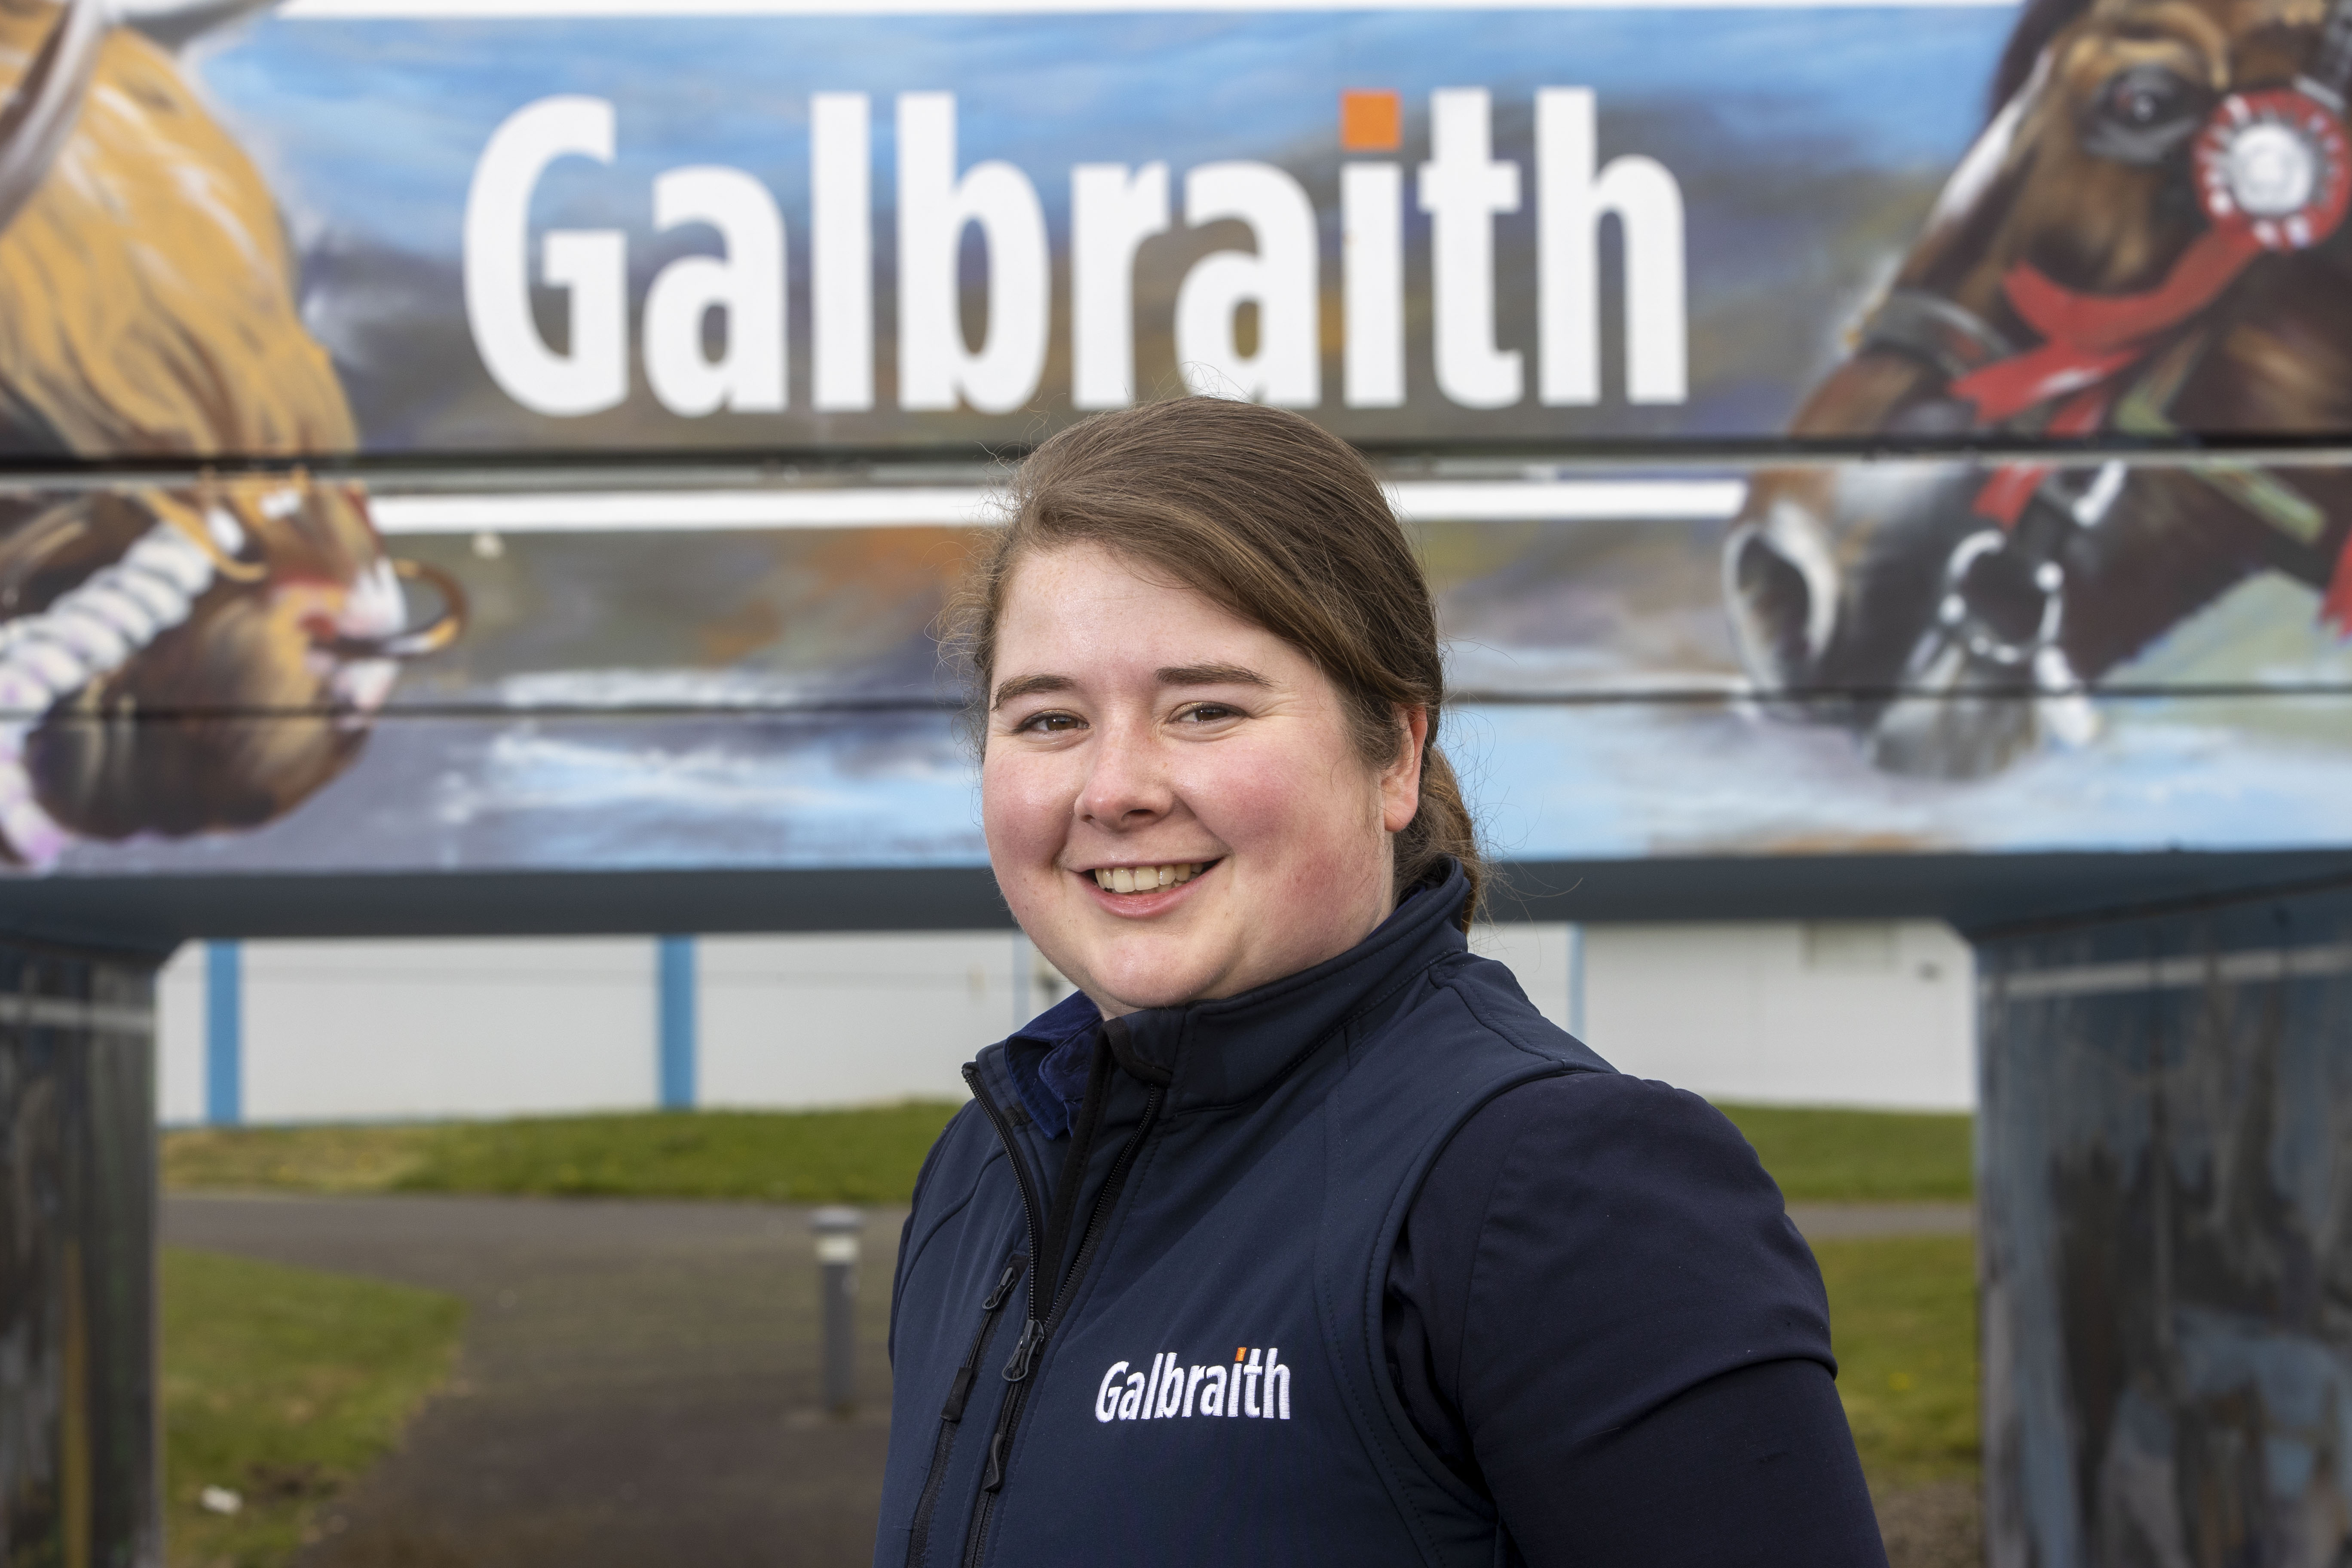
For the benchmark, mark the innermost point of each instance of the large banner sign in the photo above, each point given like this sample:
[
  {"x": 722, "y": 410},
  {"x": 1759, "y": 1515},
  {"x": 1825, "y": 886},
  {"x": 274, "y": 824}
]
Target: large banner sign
[
  {"x": 595, "y": 227},
  {"x": 431, "y": 231}
]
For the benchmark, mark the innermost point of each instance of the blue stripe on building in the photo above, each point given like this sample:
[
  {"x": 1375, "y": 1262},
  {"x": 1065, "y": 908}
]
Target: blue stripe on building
[
  {"x": 223, "y": 1033},
  {"x": 676, "y": 1008}
]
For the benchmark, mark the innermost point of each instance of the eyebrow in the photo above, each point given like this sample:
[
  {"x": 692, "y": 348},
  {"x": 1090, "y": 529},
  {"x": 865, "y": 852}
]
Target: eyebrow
[
  {"x": 1030, "y": 686},
  {"x": 1210, "y": 675},
  {"x": 1168, "y": 674}
]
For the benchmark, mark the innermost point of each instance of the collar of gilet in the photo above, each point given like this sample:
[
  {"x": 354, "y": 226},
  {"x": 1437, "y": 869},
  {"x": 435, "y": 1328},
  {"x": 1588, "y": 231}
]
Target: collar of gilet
[{"x": 1230, "y": 1051}]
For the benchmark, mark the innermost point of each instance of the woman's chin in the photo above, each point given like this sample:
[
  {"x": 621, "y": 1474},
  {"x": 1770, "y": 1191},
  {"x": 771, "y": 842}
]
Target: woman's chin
[{"x": 1149, "y": 975}]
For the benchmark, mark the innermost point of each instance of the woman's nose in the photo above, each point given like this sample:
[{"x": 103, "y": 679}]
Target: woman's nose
[{"x": 1126, "y": 783}]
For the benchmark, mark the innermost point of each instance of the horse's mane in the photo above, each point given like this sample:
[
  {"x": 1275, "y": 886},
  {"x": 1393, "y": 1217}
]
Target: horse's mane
[
  {"x": 151, "y": 293},
  {"x": 2037, "y": 24}
]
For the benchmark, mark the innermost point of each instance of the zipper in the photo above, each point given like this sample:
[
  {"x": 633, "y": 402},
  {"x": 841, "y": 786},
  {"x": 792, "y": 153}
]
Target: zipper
[
  {"x": 1030, "y": 1207},
  {"x": 1041, "y": 1324},
  {"x": 919, "y": 1544}
]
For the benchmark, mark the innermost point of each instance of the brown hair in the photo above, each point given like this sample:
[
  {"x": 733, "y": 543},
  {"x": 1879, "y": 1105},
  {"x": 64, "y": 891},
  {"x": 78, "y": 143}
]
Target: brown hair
[{"x": 1279, "y": 522}]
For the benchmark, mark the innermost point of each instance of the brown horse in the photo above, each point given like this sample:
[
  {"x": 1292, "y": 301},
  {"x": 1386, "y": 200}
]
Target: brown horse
[
  {"x": 2145, "y": 238},
  {"x": 180, "y": 658}
]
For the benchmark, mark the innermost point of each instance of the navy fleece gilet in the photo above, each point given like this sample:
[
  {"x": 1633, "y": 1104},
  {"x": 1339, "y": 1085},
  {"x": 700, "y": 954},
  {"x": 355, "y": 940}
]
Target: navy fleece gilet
[{"x": 1213, "y": 1385}]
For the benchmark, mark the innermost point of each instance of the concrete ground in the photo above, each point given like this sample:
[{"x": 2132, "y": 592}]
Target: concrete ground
[{"x": 639, "y": 1382}]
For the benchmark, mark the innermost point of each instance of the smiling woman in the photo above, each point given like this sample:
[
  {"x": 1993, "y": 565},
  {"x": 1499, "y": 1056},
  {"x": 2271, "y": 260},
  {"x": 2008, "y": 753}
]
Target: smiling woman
[
  {"x": 1159, "y": 792},
  {"x": 1490, "y": 1303}
]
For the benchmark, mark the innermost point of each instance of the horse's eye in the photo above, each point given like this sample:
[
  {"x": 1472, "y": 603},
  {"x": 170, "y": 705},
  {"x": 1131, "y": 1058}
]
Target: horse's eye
[
  {"x": 2141, "y": 114},
  {"x": 2146, "y": 95}
]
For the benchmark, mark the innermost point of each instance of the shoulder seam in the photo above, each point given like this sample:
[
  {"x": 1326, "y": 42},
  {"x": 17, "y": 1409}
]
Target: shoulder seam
[{"x": 1495, "y": 1027}]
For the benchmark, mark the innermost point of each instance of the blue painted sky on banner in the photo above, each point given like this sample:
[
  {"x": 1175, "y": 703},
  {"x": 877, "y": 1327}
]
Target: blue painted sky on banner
[{"x": 371, "y": 127}]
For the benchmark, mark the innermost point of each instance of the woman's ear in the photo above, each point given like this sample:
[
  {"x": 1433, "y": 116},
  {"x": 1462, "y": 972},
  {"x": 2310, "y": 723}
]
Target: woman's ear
[{"x": 1400, "y": 780}]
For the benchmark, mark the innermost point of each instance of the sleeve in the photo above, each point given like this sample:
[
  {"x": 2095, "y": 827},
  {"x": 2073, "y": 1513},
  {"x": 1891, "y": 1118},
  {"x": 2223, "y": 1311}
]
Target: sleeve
[{"x": 1601, "y": 1315}]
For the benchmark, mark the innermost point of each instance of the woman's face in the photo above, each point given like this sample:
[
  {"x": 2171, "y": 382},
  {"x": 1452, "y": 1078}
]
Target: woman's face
[{"x": 1141, "y": 737}]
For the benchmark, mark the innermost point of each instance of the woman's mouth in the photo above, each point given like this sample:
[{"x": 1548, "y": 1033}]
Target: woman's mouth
[{"x": 1147, "y": 879}]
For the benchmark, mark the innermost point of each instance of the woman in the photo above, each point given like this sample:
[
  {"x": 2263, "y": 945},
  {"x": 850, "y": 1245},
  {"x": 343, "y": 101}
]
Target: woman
[{"x": 1296, "y": 1235}]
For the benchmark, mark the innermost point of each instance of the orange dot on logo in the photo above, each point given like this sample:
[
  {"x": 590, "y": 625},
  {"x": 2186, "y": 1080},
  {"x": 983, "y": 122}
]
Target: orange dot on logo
[
  {"x": 1371, "y": 119},
  {"x": 1240, "y": 1351}
]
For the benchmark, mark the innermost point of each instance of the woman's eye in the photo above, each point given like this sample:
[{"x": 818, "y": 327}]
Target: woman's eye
[
  {"x": 1047, "y": 723},
  {"x": 1207, "y": 713}
]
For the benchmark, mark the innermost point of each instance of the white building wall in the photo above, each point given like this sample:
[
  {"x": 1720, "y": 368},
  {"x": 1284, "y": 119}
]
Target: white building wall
[
  {"x": 180, "y": 1037},
  {"x": 1542, "y": 958},
  {"x": 848, "y": 1020},
  {"x": 1830, "y": 1013},
  {"x": 425, "y": 1028},
  {"x": 1866, "y": 1014}
]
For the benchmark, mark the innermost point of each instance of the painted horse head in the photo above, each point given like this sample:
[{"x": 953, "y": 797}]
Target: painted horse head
[
  {"x": 182, "y": 657},
  {"x": 2147, "y": 236}
]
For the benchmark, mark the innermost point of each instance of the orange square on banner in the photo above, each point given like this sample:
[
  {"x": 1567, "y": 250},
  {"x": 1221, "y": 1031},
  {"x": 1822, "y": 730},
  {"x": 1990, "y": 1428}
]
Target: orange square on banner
[{"x": 1371, "y": 119}]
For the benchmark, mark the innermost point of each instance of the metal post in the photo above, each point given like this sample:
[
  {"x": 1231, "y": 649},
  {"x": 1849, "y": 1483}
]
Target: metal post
[
  {"x": 837, "y": 1255},
  {"x": 79, "y": 1477}
]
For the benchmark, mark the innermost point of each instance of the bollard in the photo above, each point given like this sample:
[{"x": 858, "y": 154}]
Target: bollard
[{"x": 836, "y": 1256}]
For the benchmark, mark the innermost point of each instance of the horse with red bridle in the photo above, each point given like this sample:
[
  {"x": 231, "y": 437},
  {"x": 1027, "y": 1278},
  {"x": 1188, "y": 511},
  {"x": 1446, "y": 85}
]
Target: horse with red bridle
[
  {"x": 2148, "y": 238},
  {"x": 187, "y": 656}
]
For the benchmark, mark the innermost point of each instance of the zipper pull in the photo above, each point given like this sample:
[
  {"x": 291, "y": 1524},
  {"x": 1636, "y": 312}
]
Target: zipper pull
[
  {"x": 1033, "y": 1334},
  {"x": 995, "y": 1476},
  {"x": 959, "y": 1392},
  {"x": 1004, "y": 1283}
]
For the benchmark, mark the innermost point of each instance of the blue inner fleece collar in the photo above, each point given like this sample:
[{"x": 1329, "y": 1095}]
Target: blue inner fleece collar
[{"x": 1048, "y": 1061}]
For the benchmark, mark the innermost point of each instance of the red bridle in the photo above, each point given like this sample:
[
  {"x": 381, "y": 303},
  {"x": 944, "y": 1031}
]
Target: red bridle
[
  {"x": 2088, "y": 338},
  {"x": 2273, "y": 173}
]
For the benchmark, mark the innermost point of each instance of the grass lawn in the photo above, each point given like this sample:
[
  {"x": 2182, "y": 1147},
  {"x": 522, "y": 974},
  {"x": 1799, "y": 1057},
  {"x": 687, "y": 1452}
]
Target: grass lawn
[
  {"x": 1903, "y": 1320},
  {"x": 868, "y": 1155},
  {"x": 282, "y": 1386},
  {"x": 1861, "y": 1157}
]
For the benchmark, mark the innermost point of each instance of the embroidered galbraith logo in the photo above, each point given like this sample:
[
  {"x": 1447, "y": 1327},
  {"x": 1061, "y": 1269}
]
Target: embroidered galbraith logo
[{"x": 1257, "y": 1385}]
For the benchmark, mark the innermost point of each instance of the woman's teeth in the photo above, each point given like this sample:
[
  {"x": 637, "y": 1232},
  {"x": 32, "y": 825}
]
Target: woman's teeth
[{"x": 1144, "y": 878}]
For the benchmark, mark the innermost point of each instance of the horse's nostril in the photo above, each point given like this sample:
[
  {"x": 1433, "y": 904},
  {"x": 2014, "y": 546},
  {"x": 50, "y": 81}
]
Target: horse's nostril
[
  {"x": 1773, "y": 602},
  {"x": 1773, "y": 587}
]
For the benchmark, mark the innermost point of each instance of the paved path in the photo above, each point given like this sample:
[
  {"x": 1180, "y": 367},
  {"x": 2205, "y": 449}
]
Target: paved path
[
  {"x": 638, "y": 1382},
  {"x": 637, "y": 1385}
]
